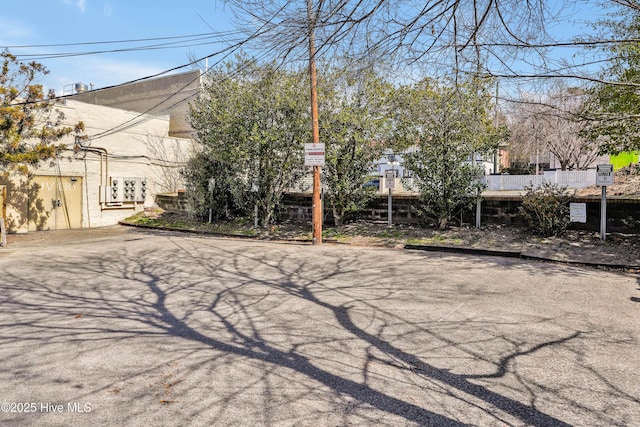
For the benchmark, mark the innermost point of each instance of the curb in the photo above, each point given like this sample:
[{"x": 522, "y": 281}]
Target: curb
[
  {"x": 209, "y": 233},
  {"x": 522, "y": 255},
  {"x": 467, "y": 251}
]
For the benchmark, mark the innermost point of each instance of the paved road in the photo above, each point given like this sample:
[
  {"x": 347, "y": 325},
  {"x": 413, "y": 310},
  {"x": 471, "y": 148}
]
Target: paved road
[{"x": 127, "y": 327}]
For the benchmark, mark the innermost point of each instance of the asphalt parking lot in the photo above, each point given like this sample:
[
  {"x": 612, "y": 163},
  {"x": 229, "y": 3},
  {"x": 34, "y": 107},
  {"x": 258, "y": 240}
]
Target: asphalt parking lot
[{"x": 140, "y": 328}]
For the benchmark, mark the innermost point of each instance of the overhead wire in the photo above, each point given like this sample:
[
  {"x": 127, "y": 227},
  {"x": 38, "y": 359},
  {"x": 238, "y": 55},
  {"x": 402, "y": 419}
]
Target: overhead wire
[
  {"x": 226, "y": 52},
  {"x": 121, "y": 41},
  {"x": 177, "y": 44}
]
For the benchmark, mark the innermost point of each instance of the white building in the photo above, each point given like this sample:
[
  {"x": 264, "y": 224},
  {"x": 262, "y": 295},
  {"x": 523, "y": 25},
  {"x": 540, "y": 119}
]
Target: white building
[{"x": 127, "y": 159}]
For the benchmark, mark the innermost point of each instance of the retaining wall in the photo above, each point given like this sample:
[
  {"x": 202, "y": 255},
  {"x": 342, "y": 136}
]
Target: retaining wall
[{"x": 623, "y": 213}]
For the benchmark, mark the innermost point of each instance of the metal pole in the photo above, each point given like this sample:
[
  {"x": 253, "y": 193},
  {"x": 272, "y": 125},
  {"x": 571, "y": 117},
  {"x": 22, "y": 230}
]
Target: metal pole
[
  {"x": 315, "y": 129},
  {"x": 322, "y": 204},
  {"x": 389, "y": 209},
  {"x": 603, "y": 214},
  {"x": 478, "y": 207},
  {"x": 255, "y": 219}
]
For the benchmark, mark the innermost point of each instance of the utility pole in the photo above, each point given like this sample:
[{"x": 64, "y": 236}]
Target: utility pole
[{"x": 316, "y": 214}]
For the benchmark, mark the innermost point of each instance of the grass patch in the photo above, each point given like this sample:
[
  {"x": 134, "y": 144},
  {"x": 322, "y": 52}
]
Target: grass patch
[
  {"x": 335, "y": 233},
  {"x": 435, "y": 240},
  {"x": 417, "y": 241},
  {"x": 392, "y": 233}
]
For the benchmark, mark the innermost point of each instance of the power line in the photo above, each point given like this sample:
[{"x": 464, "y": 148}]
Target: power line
[
  {"x": 143, "y": 116},
  {"x": 121, "y": 41},
  {"x": 182, "y": 43}
]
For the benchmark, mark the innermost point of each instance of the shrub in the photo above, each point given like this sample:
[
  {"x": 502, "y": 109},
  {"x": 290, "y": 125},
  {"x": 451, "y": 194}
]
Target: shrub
[{"x": 546, "y": 209}]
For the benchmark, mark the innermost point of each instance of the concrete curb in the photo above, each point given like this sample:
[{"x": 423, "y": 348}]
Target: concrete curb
[
  {"x": 521, "y": 255},
  {"x": 210, "y": 233},
  {"x": 464, "y": 250}
]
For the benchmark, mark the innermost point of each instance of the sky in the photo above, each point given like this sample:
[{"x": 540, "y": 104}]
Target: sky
[
  {"x": 27, "y": 23},
  {"x": 56, "y": 22}
]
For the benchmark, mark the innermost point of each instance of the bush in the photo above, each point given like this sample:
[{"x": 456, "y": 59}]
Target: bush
[{"x": 546, "y": 209}]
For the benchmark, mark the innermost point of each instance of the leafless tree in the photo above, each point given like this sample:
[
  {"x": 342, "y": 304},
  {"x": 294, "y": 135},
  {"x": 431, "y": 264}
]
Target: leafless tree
[
  {"x": 548, "y": 127},
  {"x": 450, "y": 33},
  {"x": 167, "y": 157},
  {"x": 510, "y": 40}
]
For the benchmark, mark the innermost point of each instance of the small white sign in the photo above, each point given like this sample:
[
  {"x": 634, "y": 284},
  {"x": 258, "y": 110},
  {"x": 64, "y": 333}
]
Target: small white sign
[
  {"x": 390, "y": 178},
  {"x": 578, "y": 212},
  {"x": 314, "y": 154},
  {"x": 604, "y": 175}
]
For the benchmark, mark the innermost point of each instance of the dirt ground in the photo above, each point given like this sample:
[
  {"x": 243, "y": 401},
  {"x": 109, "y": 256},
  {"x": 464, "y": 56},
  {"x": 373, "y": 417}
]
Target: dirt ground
[
  {"x": 626, "y": 182},
  {"x": 574, "y": 246}
]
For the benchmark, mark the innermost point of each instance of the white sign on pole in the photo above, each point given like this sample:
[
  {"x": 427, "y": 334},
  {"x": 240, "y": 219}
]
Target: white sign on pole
[
  {"x": 604, "y": 175},
  {"x": 578, "y": 212},
  {"x": 314, "y": 154},
  {"x": 390, "y": 179}
]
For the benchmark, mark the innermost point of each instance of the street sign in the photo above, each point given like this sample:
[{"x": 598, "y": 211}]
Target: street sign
[
  {"x": 578, "y": 212},
  {"x": 314, "y": 154},
  {"x": 390, "y": 179},
  {"x": 604, "y": 175}
]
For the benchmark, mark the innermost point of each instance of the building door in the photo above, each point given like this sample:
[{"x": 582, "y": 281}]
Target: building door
[{"x": 55, "y": 203}]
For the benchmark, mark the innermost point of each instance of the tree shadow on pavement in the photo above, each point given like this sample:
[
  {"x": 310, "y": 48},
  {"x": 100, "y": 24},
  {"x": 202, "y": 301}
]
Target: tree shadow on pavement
[{"x": 331, "y": 324}]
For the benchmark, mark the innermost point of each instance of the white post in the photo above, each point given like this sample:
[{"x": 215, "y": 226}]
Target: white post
[{"x": 604, "y": 177}]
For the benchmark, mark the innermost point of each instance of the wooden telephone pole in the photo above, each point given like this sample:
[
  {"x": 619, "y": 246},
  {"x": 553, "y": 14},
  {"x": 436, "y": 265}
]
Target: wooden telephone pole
[{"x": 315, "y": 129}]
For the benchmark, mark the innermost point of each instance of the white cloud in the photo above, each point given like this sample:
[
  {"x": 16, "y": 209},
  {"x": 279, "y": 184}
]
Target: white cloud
[
  {"x": 81, "y": 4},
  {"x": 13, "y": 30}
]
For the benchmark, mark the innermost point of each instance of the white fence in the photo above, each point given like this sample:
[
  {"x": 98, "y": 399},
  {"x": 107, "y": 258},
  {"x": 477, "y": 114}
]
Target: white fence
[{"x": 570, "y": 179}]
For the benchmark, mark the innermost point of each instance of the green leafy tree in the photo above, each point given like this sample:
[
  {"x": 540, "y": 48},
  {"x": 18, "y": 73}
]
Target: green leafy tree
[
  {"x": 251, "y": 121},
  {"x": 613, "y": 109},
  {"x": 354, "y": 124},
  {"x": 442, "y": 127},
  {"x": 208, "y": 189},
  {"x": 30, "y": 125}
]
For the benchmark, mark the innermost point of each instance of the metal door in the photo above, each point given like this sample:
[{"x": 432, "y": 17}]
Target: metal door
[{"x": 57, "y": 203}]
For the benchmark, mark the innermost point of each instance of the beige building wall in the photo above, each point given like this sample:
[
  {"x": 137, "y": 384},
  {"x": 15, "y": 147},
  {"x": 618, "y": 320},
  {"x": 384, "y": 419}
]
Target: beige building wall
[{"x": 122, "y": 144}]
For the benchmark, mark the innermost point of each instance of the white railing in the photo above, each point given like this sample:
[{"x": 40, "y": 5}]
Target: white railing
[{"x": 570, "y": 179}]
